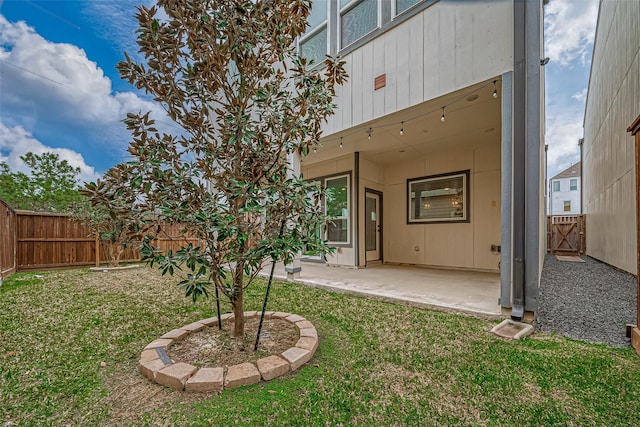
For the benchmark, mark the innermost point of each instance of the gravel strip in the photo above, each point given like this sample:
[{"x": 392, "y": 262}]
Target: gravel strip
[{"x": 589, "y": 301}]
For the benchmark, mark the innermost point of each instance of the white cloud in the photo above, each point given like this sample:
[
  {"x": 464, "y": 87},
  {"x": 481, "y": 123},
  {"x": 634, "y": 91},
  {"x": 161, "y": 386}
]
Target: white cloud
[
  {"x": 16, "y": 142},
  {"x": 58, "y": 79},
  {"x": 562, "y": 136},
  {"x": 118, "y": 23},
  {"x": 580, "y": 96},
  {"x": 569, "y": 29}
]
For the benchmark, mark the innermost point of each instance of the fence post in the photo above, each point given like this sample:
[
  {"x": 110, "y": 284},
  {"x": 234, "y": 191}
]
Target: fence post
[{"x": 97, "y": 251}]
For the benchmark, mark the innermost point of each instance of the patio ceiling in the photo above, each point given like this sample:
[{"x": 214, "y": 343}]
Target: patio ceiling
[{"x": 470, "y": 122}]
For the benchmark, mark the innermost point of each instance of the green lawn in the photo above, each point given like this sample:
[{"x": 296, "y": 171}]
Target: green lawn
[{"x": 377, "y": 364}]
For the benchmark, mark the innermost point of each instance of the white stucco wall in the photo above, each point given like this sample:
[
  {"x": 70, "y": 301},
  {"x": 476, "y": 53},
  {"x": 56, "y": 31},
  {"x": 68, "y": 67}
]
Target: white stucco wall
[
  {"x": 613, "y": 102},
  {"x": 448, "y": 46}
]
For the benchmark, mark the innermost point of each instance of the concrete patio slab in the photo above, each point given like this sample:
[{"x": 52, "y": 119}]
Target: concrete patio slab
[{"x": 455, "y": 291}]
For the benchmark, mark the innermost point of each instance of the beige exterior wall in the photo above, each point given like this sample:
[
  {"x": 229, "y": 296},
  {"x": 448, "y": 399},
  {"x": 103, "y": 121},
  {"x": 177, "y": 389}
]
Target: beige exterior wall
[
  {"x": 453, "y": 245},
  {"x": 461, "y": 245},
  {"x": 448, "y": 46},
  {"x": 613, "y": 103}
]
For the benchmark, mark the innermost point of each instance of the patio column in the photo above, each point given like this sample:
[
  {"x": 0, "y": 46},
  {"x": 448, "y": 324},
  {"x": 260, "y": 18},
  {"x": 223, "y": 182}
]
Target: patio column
[{"x": 293, "y": 270}]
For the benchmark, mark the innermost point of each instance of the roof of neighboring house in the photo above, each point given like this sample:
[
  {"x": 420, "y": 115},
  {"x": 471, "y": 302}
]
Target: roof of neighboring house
[{"x": 570, "y": 172}]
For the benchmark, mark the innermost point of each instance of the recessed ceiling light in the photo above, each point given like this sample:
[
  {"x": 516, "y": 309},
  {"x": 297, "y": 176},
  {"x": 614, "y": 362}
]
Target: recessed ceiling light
[
  {"x": 402, "y": 151},
  {"x": 472, "y": 97},
  {"x": 489, "y": 130}
]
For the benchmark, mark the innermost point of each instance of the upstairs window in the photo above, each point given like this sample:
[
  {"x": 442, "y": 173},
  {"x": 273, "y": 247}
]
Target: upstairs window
[
  {"x": 556, "y": 186},
  {"x": 402, "y": 5},
  {"x": 573, "y": 184},
  {"x": 314, "y": 45},
  {"x": 357, "y": 19}
]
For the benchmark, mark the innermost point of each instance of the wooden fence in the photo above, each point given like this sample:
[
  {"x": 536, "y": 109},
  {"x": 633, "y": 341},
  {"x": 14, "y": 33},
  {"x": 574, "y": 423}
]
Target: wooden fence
[
  {"x": 566, "y": 234},
  {"x": 7, "y": 240},
  {"x": 41, "y": 240}
]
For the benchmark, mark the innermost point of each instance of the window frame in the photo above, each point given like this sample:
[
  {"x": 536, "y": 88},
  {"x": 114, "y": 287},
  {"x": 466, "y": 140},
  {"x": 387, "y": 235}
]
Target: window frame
[
  {"x": 312, "y": 32},
  {"x": 566, "y": 204},
  {"x": 553, "y": 186},
  {"x": 324, "y": 26},
  {"x": 347, "y": 8},
  {"x": 466, "y": 197},
  {"x": 394, "y": 10},
  {"x": 573, "y": 181},
  {"x": 342, "y": 217}
]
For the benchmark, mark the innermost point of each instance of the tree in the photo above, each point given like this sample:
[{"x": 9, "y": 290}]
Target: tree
[
  {"x": 111, "y": 214},
  {"x": 228, "y": 74},
  {"x": 50, "y": 185}
]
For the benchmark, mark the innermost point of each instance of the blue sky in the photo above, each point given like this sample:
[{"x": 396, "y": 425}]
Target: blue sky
[{"x": 60, "y": 91}]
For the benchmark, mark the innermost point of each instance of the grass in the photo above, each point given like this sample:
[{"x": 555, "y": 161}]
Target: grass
[{"x": 377, "y": 364}]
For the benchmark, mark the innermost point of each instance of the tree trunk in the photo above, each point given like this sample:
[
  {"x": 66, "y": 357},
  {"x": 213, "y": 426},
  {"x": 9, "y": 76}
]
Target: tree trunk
[
  {"x": 238, "y": 315},
  {"x": 119, "y": 252},
  {"x": 238, "y": 302}
]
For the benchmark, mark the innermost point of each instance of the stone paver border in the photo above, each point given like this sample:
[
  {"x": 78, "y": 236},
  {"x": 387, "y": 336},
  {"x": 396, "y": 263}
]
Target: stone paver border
[{"x": 156, "y": 365}]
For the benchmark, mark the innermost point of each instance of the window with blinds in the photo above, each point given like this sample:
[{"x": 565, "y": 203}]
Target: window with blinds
[{"x": 439, "y": 198}]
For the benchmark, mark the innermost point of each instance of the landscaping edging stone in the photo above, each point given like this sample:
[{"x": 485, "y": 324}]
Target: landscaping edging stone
[{"x": 156, "y": 366}]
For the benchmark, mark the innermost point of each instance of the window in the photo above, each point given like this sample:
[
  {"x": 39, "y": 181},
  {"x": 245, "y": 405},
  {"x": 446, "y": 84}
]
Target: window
[
  {"x": 402, "y": 5},
  {"x": 439, "y": 198},
  {"x": 336, "y": 205},
  {"x": 314, "y": 44},
  {"x": 567, "y": 205},
  {"x": 556, "y": 186},
  {"x": 573, "y": 184},
  {"x": 357, "y": 19}
]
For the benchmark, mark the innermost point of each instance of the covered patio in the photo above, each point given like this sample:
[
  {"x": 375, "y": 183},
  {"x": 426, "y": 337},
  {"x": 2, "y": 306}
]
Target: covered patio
[{"x": 457, "y": 291}]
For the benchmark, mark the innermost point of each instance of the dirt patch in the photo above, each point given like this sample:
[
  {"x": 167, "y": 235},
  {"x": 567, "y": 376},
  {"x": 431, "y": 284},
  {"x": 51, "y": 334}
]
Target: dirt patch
[{"x": 212, "y": 347}]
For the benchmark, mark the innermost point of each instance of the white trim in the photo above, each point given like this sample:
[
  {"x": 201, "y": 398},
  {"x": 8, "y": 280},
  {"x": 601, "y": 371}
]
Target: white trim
[{"x": 395, "y": 15}]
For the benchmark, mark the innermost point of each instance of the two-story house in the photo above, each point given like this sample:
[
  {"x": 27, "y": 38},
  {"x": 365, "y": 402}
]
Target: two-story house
[
  {"x": 565, "y": 192},
  {"x": 435, "y": 156}
]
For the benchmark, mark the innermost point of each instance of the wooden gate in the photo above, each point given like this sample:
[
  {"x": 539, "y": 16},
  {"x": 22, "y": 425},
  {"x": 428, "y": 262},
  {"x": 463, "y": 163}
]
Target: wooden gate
[{"x": 565, "y": 234}]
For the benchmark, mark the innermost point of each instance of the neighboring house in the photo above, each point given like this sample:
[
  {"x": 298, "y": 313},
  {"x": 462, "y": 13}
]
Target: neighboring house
[
  {"x": 435, "y": 156},
  {"x": 613, "y": 103},
  {"x": 565, "y": 190}
]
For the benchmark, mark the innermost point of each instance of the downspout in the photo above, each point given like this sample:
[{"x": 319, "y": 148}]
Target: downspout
[
  {"x": 547, "y": 190},
  {"x": 356, "y": 205},
  {"x": 519, "y": 159},
  {"x": 580, "y": 142}
]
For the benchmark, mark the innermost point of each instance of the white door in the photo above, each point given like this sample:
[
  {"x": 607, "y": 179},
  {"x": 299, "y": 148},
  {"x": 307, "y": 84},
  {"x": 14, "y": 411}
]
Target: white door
[{"x": 372, "y": 225}]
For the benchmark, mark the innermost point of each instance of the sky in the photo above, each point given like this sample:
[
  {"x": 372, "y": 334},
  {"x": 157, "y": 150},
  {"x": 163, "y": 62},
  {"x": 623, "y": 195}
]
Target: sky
[{"x": 60, "y": 91}]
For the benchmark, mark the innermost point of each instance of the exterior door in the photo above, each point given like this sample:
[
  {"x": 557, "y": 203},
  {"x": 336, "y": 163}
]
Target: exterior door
[{"x": 373, "y": 225}]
